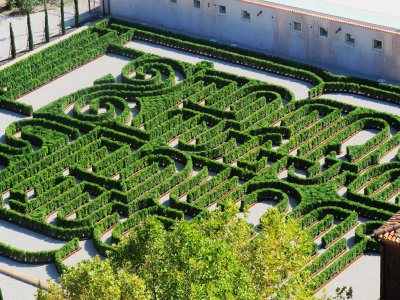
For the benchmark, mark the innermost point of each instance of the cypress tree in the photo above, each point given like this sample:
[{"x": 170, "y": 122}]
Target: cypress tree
[
  {"x": 30, "y": 36},
  {"x": 46, "y": 24},
  {"x": 12, "y": 41},
  {"x": 77, "y": 21},
  {"x": 104, "y": 7},
  {"x": 62, "y": 17}
]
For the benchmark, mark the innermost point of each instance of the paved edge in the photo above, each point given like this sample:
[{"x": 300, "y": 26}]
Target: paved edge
[
  {"x": 45, "y": 46},
  {"x": 23, "y": 278}
]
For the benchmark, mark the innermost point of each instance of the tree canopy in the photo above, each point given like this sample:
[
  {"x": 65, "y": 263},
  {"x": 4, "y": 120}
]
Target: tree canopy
[{"x": 218, "y": 257}]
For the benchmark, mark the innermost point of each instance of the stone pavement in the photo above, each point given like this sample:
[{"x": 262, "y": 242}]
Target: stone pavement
[{"x": 37, "y": 20}]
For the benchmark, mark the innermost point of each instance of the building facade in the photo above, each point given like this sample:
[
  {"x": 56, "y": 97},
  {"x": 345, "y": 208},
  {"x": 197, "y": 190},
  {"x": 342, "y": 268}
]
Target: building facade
[
  {"x": 389, "y": 237},
  {"x": 352, "y": 44}
]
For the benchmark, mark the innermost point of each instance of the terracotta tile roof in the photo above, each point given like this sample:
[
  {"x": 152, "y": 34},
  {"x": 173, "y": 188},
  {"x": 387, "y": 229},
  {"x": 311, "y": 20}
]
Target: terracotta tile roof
[
  {"x": 323, "y": 16},
  {"x": 390, "y": 231}
]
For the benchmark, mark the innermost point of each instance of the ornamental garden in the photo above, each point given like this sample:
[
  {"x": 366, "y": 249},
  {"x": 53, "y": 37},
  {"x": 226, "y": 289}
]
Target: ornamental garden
[{"x": 176, "y": 139}]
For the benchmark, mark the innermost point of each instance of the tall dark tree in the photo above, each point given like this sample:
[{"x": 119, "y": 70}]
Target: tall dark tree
[
  {"x": 104, "y": 7},
  {"x": 46, "y": 24},
  {"x": 30, "y": 35},
  {"x": 12, "y": 41},
  {"x": 62, "y": 18},
  {"x": 77, "y": 20}
]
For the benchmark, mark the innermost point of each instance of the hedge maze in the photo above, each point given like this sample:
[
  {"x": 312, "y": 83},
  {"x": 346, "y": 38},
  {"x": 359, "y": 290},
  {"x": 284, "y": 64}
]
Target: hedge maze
[{"x": 175, "y": 140}]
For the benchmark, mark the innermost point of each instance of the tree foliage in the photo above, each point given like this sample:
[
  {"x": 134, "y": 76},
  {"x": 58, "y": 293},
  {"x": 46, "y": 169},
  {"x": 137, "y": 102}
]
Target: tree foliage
[
  {"x": 62, "y": 17},
  {"x": 12, "y": 43},
  {"x": 213, "y": 258},
  {"x": 77, "y": 17},
  {"x": 46, "y": 24},
  {"x": 95, "y": 279},
  {"x": 27, "y": 6},
  {"x": 30, "y": 35}
]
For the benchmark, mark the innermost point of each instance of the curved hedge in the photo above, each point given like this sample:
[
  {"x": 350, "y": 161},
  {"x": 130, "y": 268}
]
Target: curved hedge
[{"x": 176, "y": 140}]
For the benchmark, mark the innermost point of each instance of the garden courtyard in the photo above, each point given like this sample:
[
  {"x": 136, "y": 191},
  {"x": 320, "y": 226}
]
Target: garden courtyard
[{"x": 144, "y": 122}]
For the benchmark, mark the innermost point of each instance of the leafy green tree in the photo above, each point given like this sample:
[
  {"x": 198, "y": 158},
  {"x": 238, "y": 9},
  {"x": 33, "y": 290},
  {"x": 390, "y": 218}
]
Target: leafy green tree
[
  {"x": 278, "y": 253},
  {"x": 93, "y": 280},
  {"x": 10, "y": 4},
  {"x": 77, "y": 19},
  {"x": 62, "y": 17},
  {"x": 46, "y": 24},
  {"x": 27, "y": 6},
  {"x": 217, "y": 259},
  {"x": 12, "y": 42},
  {"x": 342, "y": 293},
  {"x": 104, "y": 7},
  {"x": 30, "y": 35}
]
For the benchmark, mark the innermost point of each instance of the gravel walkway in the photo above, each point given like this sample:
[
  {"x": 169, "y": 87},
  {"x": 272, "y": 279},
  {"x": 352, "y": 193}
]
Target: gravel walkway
[
  {"x": 365, "y": 102},
  {"x": 7, "y": 117},
  {"x": 40, "y": 272},
  {"x": 80, "y": 78},
  {"x": 37, "y": 20},
  {"x": 87, "y": 251},
  {"x": 363, "y": 276},
  {"x": 256, "y": 211},
  {"x": 25, "y": 239},
  {"x": 359, "y": 138},
  {"x": 299, "y": 88},
  {"x": 16, "y": 290}
]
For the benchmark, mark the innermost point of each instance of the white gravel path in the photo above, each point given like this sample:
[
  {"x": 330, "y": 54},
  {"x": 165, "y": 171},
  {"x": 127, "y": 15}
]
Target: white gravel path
[
  {"x": 40, "y": 272},
  {"x": 80, "y": 78},
  {"x": 37, "y": 20},
  {"x": 299, "y": 88},
  {"x": 22, "y": 238},
  {"x": 390, "y": 156},
  {"x": 359, "y": 138},
  {"x": 87, "y": 251},
  {"x": 15, "y": 289},
  {"x": 365, "y": 102},
  {"x": 363, "y": 276},
  {"x": 256, "y": 211},
  {"x": 6, "y": 118}
]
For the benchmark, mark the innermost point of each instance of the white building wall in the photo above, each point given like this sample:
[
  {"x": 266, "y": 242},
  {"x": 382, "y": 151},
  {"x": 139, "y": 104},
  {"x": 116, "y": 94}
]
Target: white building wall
[{"x": 271, "y": 31}]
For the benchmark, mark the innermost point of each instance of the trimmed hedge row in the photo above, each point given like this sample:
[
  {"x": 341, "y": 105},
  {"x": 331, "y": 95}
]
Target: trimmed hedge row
[
  {"x": 330, "y": 254},
  {"x": 339, "y": 264}
]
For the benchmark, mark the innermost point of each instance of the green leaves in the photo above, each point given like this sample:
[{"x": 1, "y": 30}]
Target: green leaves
[
  {"x": 96, "y": 279},
  {"x": 215, "y": 258}
]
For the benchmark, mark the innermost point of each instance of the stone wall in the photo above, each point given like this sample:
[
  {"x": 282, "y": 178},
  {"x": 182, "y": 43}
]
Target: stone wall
[{"x": 271, "y": 30}]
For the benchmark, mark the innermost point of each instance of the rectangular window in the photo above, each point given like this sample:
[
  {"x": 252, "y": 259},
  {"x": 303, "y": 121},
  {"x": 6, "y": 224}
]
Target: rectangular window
[
  {"x": 196, "y": 3},
  {"x": 222, "y": 9},
  {"x": 245, "y": 15},
  {"x": 378, "y": 44},
  {"x": 350, "y": 39},
  {"x": 172, "y": 1},
  {"x": 297, "y": 26},
  {"x": 323, "y": 32}
]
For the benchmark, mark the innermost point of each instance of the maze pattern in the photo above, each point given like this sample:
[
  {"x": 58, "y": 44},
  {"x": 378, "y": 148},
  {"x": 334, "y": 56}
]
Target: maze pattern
[{"x": 176, "y": 140}]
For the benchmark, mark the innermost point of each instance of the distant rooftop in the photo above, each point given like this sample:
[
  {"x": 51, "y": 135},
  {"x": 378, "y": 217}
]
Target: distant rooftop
[{"x": 384, "y": 13}]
